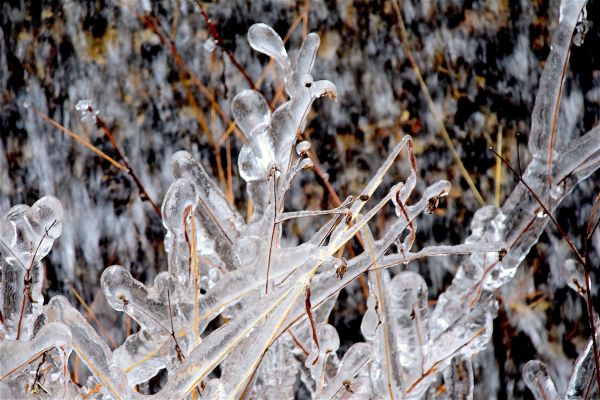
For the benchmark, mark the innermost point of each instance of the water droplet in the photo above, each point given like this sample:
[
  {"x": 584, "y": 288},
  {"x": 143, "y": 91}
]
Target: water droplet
[
  {"x": 209, "y": 45},
  {"x": 88, "y": 111},
  {"x": 541, "y": 214},
  {"x": 556, "y": 192}
]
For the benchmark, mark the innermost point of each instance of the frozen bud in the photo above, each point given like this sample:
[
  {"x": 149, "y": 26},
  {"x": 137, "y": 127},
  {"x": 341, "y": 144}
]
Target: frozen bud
[
  {"x": 307, "y": 164},
  {"x": 302, "y": 148}
]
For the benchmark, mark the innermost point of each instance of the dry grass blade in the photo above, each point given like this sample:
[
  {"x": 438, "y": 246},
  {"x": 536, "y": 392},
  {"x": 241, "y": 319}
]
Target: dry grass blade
[
  {"x": 498, "y": 170},
  {"x": 403, "y": 36},
  {"x": 78, "y": 138}
]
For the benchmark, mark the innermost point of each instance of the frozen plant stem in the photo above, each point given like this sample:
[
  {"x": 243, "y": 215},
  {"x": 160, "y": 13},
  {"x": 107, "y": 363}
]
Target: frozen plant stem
[{"x": 582, "y": 260}]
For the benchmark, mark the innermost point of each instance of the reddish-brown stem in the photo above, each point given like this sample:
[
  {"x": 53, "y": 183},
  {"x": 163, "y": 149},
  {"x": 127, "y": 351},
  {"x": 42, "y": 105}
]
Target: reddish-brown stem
[
  {"x": 273, "y": 230},
  {"x": 143, "y": 193},
  {"x": 21, "y": 316},
  {"x": 178, "y": 351},
  {"x": 212, "y": 29},
  {"x": 313, "y": 326},
  {"x": 297, "y": 342}
]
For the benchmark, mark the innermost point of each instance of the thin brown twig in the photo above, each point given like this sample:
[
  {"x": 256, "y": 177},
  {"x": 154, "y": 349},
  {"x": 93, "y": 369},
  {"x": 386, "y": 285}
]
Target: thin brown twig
[
  {"x": 297, "y": 342},
  {"x": 178, "y": 351},
  {"x": 143, "y": 193},
  {"x": 313, "y": 326},
  {"x": 78, "y": 138},
  {"x": 214, "y": 32}
]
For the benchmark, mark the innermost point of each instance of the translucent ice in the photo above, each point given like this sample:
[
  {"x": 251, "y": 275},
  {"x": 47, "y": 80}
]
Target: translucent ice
[{"x": 88, "y": 111}]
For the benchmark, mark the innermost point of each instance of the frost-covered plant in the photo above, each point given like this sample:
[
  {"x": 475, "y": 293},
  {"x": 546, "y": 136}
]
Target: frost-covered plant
[{"x": 276, "y": 300}]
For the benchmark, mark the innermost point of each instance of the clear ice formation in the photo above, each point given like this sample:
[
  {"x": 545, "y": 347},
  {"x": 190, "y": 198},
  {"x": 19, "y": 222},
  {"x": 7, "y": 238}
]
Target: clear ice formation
[{"x": 276, "y": 299}]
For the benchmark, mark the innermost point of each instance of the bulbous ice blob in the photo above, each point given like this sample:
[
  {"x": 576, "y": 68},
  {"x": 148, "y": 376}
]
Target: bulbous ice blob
[
  {"x": 251, "y": 112},
  {"x": 329, "y": 341},
  {"x": 537, "y": 378},
  {"x": 370, "y": 321},
  {"x": 88, "y": 111},
  {"x": 256, "y": 157},
  {"x": 124, "y": 293},
  {"x": 179, "y": 197},
  {"x": 46, "y": 214},
  {"x": 307, "y": 164},
  {"x": 355, "y": 359},
  {"x": 302, "y": 147},
  {"x": 264, "y": 39}
]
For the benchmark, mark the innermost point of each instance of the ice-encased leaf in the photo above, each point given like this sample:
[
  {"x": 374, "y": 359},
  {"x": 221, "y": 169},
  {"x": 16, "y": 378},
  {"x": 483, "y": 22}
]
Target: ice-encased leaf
[
  {"x": 139, "y": 357},
  {"x": 582, "y": 382},
  {"x": 307, "y": 54}
]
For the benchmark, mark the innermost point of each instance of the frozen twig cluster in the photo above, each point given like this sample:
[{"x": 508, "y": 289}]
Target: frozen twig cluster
[{"x": 277, "y": 300}]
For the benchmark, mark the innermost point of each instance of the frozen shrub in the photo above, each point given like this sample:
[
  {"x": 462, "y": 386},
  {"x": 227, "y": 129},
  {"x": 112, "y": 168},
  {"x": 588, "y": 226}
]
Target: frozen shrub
[{"x": 276, "y": 300}]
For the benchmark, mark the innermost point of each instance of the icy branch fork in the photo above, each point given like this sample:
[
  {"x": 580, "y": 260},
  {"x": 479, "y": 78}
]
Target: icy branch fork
[{"x": 276, "y": 299}]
